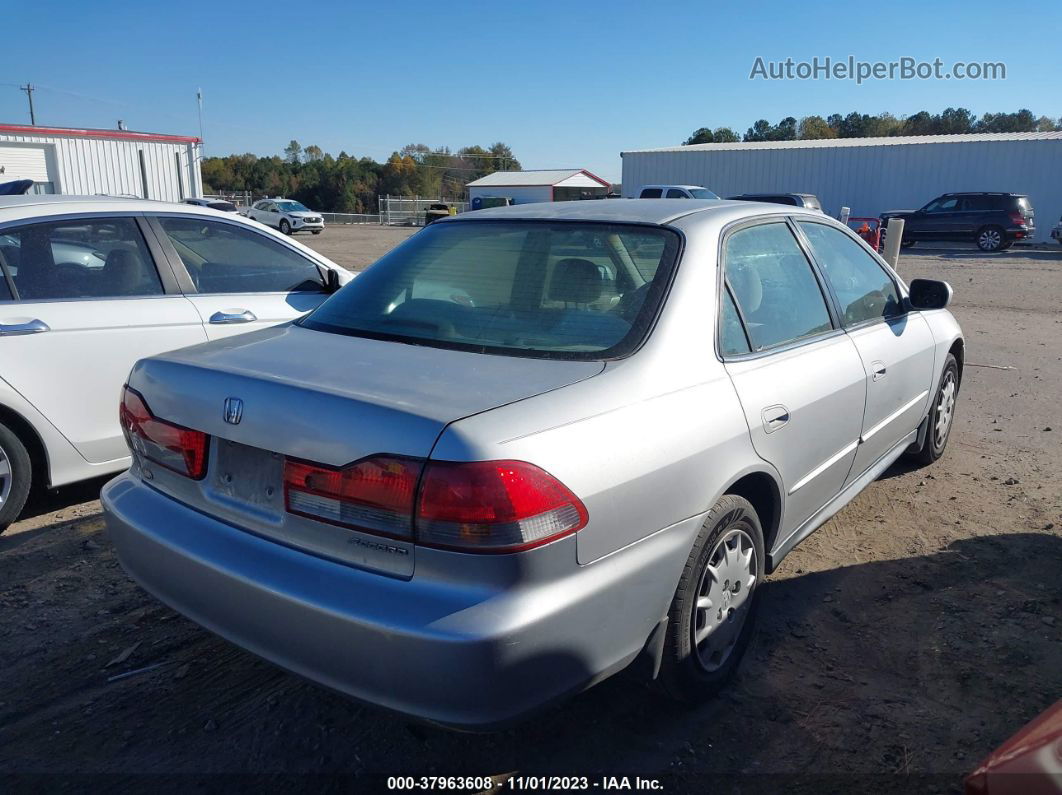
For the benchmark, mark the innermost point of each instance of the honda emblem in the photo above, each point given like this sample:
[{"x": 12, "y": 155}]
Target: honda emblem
[{"x": 233, "y": 410}]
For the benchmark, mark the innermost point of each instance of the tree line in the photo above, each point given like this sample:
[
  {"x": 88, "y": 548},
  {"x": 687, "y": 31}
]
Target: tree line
[
  {"x": 348, "y": 184},
  {"x": 863, "y": 125}
]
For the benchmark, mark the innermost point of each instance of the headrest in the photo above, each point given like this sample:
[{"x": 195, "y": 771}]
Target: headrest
[{"x": 576, "y": 281}]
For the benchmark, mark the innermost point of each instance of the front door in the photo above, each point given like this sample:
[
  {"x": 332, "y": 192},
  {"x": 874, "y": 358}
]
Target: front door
[
  {"x": 895, "y": 346},
  {"x": 799, "y": 378},
  {"x": 244, "y": 279},
  {"x": 89, "y": 302}
]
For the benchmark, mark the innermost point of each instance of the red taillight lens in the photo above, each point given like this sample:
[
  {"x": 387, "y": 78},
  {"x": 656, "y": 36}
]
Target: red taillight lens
[
  {"x": 494, "y": 506},
  {"x": 171, "y": 446},
  {"x": 1017, "y": 218},
  {"x": 374, "y": 494}
]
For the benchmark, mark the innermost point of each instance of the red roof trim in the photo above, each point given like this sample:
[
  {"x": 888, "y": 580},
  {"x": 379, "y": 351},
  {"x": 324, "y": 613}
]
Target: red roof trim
[
  {"x": 121, "y": 135},
  {"x": 595, "y": 176}
]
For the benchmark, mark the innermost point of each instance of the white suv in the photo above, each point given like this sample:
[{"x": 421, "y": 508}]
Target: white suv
[
  {"x": 675, "y": 192},
  {"x": 90, "y": 285},
  {"x": 287, "y": 215}
]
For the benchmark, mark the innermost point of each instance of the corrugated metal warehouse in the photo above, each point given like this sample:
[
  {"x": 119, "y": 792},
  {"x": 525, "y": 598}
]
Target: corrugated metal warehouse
[
  {"x": 869, "y": 175},
  {"x": 112, "y": 162},
  {"x": 546, "y": 185}
]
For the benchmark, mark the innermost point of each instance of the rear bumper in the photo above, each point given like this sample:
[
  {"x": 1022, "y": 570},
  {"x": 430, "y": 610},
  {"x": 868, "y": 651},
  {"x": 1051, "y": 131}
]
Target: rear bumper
[{"x": 470, "y": 655}]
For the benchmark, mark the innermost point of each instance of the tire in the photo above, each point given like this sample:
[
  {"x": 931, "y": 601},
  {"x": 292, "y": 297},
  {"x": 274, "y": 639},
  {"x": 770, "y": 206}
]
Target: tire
[
  {"x": 317, "y": 231},
  {"x": 16, "y": 476},
  {"x": 907, "y": 243},
  {"x": 690, "y": 672},
  {"x": 285, "y": 227},
  {"x": 991, "y": 238},
  {"x": 943, "y": 409}
]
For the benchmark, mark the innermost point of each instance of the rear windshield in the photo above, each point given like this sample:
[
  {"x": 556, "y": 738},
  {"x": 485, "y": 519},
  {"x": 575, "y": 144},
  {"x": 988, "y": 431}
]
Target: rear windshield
[
  {"x": 228, "y": 207},
  {"x": 702, "y": 193},
  {"x": 547, "y": 290}
]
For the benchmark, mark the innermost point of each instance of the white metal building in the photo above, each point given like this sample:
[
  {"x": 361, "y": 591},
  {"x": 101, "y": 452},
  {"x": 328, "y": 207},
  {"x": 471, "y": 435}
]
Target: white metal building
[
  {"x": 869, "y": 175},
  {"x": 89, "y": 162},
  {"x": 547, "y": 185}
]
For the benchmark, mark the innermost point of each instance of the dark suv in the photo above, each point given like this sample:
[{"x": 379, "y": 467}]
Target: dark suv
[{"x": 991, "y": 220}]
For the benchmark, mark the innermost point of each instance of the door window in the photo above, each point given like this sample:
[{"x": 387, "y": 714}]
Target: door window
[
  {"x": 675, "y": 193},
  {"x": 864, "y": 290},
  {"x": 80, "y": 258},
  {"x": 733, "y": 341},
  {"x": 227, "y": 258},
  {"x": 945, "y": 204},
  {"x": 652, "y": 193},
  {"x": 773, "y": 283}
]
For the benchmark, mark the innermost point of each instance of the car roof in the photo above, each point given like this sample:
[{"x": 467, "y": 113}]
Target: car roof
[
  {"x": 636, "y": 211},
  {"x": 672, "y": 185},
  {"x": 41, "y": 204}
]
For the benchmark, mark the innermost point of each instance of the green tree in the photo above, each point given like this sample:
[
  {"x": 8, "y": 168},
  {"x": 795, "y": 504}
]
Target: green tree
[
  {"x": 293, "y": 152},
  {"x": 815, "y": 127},
  {"x": 313, "y": 152}
]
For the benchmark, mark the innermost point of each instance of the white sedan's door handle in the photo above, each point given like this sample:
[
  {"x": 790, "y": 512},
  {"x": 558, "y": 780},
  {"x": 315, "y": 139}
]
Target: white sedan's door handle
[
  {"x": 774, "y": 417},
  {"x": 878, "y": 368},
  {"x": 33, "y": 326},
  {"x": 233, "y": 316}
]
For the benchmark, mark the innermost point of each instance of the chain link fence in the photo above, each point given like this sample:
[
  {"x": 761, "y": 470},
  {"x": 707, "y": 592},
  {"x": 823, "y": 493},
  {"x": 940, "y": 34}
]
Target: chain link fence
[{"x": 410, "y": 210}]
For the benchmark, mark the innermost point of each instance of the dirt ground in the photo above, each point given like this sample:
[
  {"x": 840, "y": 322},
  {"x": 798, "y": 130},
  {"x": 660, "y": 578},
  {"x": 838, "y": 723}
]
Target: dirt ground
[
  {"x": 355, "y": 246},
  {"x": 909, "y": 636}
]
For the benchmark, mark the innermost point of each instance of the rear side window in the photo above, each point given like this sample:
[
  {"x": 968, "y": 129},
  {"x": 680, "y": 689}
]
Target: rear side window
[
  {"x": 227, "y": 258},
  {"x": 546, "y": 290},
  {"x": 773, "y": 283},
  {"x": 863, "y": 288},
  {"x": 733, "y": 341},
  {"x": 79, "y": 258},
  {"x": 652, "y": 193}
]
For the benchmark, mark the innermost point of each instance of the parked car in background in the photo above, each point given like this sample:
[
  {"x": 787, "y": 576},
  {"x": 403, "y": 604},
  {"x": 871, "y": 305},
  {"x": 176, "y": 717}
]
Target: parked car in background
[
  {"x": 1056, "y": 233},
  {"x": 675, "y": 192},
  {"x": 214, "y": 204},
  {"x": 287, "y": 215},
  {"x": 806, "y": 200},
  {"x": 89, "y": 285},
  {"x": 531, "y": 445},
  {"x": 993, "y": 221}
]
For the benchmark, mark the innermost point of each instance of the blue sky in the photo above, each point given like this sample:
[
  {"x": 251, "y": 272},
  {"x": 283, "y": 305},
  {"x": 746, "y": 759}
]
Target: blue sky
[{"x": 564, "y": 83}]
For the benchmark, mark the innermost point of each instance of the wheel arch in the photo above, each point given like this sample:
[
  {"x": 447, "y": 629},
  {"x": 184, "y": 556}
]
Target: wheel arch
[
  {"x": 761, "y": 489},
  {"x": 29, "y": 437},
  {"x": 958, "y": 350}
]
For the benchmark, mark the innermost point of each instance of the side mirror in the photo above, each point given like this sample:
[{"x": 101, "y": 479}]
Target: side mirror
[
  {"x": 331, "y": 282},
  {"x": 929, "y": 294}
]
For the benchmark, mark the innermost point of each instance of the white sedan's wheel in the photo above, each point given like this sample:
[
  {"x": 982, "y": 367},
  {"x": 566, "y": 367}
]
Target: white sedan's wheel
[{"x": 16, "y": 472}]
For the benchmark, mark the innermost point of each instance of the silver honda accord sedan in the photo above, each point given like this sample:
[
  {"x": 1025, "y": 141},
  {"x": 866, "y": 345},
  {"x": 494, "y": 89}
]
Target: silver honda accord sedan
[{"x": 531, "y": 446}]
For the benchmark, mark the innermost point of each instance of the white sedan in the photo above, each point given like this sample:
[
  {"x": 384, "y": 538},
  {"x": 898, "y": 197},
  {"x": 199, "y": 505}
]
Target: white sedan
[
  {"x": 90, "y": 285},
  {"x": 287, "y": 215}
]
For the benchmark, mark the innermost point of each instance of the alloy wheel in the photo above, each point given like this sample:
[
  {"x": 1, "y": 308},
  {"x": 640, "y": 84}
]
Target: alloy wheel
[
  {"x": 723, "y": 598},
  {"x": 990, "y": 239}
]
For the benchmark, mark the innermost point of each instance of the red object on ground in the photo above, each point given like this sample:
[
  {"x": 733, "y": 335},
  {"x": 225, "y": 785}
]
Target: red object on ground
[
  {"x": 1029, "y": 763},
  {"x": 867, "y": 228}
]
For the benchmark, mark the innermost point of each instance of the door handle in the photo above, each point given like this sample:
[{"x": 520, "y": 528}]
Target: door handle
[
  {"x": 233, "y": 316},
  {"x": 33, "y": 326},
  {"x": 878, "y": 370},
  {"x": 774, "y": 417}
]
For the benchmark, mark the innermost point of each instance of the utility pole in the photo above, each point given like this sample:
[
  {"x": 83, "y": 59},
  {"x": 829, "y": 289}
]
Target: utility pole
[
  {"x": 199, "y": 99},
  {"x": 29, "y": 89}
]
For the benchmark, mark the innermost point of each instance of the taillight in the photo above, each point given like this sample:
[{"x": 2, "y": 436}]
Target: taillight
[
  {"x": 1017, "y": 218},
  {"x": 494, "y": 506},
  {"x": 375, "y": 494},
  {"x": 482, "y": 506},
  {"x": 171, "y": 446}
]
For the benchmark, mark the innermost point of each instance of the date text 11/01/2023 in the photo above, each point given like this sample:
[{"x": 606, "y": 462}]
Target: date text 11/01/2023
[{"x": 523, "y": 783}]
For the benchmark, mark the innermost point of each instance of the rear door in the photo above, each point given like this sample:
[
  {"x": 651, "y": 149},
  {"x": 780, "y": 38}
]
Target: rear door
[
  {"x": 798, "y": 376},
  {"x": 895, "y": 346},
  {"x": 87, "y": 297},
  {"x": 238, "y": 278}
]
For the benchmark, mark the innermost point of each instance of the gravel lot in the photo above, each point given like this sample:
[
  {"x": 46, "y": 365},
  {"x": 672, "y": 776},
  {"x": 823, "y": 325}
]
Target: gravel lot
[
  {"x": 356, "y": 246},
  {"x": 913, "y": 633}
]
